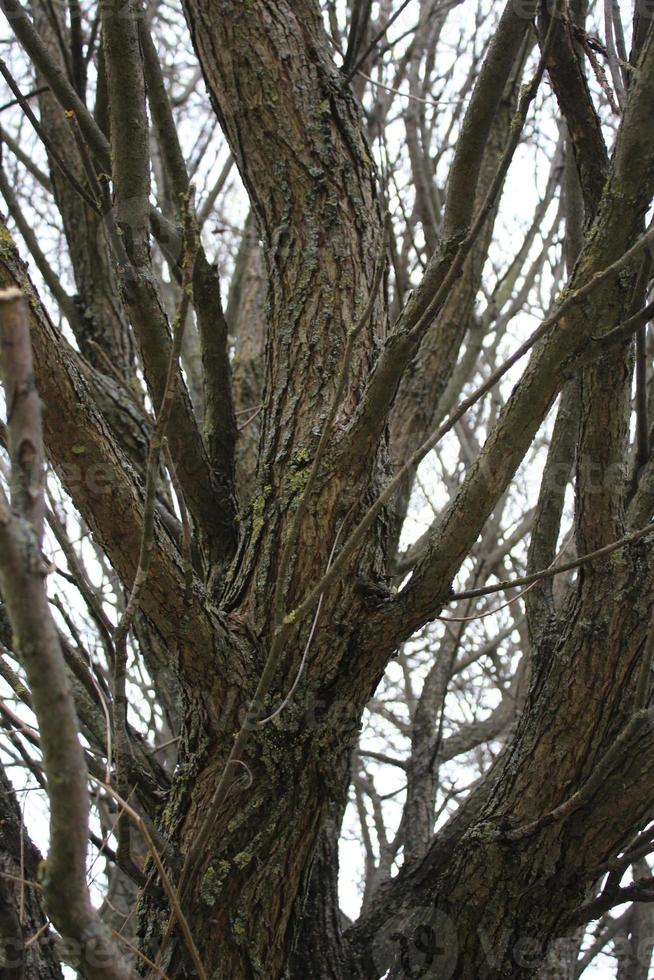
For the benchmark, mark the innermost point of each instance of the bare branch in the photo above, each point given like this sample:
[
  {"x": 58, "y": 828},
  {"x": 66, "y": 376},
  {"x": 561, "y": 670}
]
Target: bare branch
[{"x": 23, "y": 588}]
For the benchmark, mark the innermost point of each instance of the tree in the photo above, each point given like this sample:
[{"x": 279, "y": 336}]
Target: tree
[{"x": 242, "y": 485}]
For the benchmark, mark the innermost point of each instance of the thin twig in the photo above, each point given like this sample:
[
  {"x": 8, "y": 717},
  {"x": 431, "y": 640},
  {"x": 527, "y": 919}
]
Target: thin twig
[
  {"x": 78, "y": 571},
  {"x": 554, "y": 569},
  {"x": 250, "y": 418},
  {"x": 278, "y": 711},
  {"x": 37, "y": 935},
  {"x": 73, "y": 181},
  {"x": 488, "y": 612},
  {"x": 22, "y": 881},
  {"x": 407, "y": 95},
  {"x": 165, "y": 880},
  {"x": 28, "y": 95},
  {"x": 375, "y": 41},
  {"x": 137, "y": 952},
  {"x": 82, "y": 148}
]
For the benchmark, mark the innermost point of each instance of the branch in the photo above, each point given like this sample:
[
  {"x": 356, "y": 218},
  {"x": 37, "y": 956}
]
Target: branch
[
  {"x": 589, "y": 300},
  {"x": 23, "y": 587},
  {"x": 52, "y": 150},
  {"x": 422, "y": 398},
  {"x": 207, "y": 494},
  {"x": 219, "y": 417},
  {"x": 209, "y": 502},
  {"x": 613, "y": 927},
  {"x": 479, "y": 472},
  {"x": 100, "y": 478},
  {"x": 373, "y": 44},
  {"x": 443, "y": 271},
  {"x": 566, "y": 71},
  {"x": 208, "y": 204},
  {"x": 547, "y": 573},
  {"x": 641, "y": 890},
  {"x": 157, "y": 442},
  {"x": 59, "y": 84},
  {"x": 551, "y": 499},
  {"x": 504, "y": 51},
  {"x": 22, "y": 157},
  {"x": 359, "y": 24},
  {"x": 603, "y": 409}
]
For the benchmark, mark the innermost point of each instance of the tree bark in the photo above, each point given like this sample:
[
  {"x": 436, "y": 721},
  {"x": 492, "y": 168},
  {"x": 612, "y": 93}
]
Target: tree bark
[{"x": 21, "y": 914}]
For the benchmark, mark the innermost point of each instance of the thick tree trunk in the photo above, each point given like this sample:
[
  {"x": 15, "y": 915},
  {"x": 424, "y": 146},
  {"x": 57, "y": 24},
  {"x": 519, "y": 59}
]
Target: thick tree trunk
[{"x": 320, "y": 221}]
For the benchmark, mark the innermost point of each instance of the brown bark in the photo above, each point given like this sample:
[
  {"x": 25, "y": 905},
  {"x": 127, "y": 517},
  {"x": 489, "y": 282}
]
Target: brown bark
[
  {"x": 251, "y": 821},
  {"x": 21, "y": 914}
]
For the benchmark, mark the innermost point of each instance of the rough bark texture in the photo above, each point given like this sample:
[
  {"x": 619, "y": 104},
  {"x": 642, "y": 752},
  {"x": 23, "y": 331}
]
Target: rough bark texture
[
  {"x": 21, "y": 914},
  {"x": 262, "y": 677}
]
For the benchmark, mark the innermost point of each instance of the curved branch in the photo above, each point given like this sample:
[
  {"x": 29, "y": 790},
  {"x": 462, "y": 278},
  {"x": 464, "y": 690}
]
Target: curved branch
[{"x": 22, "y": 579}]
